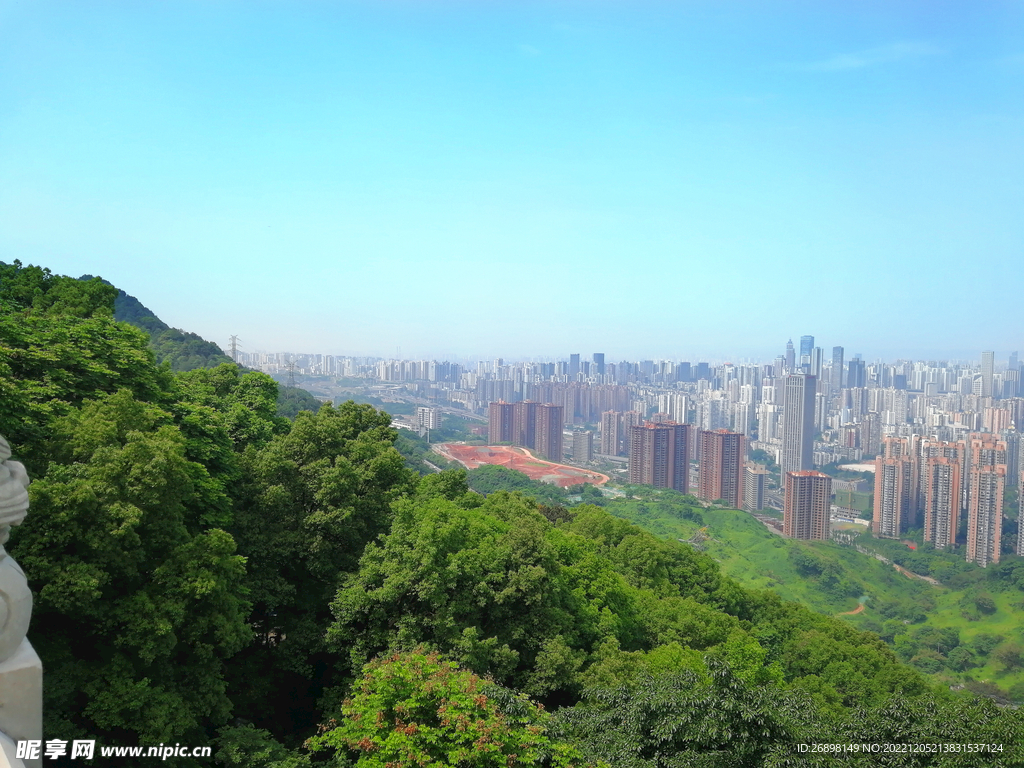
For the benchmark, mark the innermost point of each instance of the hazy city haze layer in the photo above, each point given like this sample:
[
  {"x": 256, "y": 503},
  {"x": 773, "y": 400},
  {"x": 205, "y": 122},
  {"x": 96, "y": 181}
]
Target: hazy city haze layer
[{"x": 690, "y": 180}]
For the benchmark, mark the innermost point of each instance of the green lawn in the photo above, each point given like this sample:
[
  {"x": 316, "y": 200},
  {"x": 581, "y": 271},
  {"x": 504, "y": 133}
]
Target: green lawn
[{"x": 862, "y": 502}]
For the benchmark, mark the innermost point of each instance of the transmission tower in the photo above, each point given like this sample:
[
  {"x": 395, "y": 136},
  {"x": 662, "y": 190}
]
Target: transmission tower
[
  {"x": 291, "y": 373},
  {"x": 234, "y": 348}
]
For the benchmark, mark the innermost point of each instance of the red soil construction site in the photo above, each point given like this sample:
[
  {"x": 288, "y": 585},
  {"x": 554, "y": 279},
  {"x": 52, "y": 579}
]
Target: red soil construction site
[{"x": 521, "y": 460}]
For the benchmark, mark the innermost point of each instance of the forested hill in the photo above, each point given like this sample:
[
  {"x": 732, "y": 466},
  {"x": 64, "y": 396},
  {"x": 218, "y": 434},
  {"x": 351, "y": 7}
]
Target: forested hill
[
  {"x": 186, "y": 351},
  {"x": 206, "y": 572},
  {"x": 182, "y": 350}
]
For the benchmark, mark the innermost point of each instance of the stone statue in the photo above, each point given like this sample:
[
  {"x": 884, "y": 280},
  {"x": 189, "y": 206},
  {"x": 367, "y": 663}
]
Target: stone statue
[
  {"x": 15, "y": 597},
  {"x": 21, "y": 673}
]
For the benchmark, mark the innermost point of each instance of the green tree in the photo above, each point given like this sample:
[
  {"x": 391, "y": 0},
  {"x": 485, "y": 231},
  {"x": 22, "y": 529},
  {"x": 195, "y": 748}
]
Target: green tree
[
  {"x": 139, "y": 603},
  {"x": 52, "y": 360},
  {"x": 1010, "y": 655},
  {"x": 308, "y": 503},
  {"x": 687, "y": 719},
  {"x": 415, "y": 709},
  {"x": 244, "y": 746}
]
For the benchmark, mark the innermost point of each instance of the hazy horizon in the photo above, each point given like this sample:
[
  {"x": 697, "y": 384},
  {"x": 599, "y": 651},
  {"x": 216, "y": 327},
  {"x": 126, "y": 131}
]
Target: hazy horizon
[{"x": 660, "y": 180}]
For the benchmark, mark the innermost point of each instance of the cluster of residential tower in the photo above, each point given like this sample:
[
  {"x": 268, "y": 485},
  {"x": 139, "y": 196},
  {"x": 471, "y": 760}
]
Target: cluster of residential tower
[{"x": 943, "y": 433}]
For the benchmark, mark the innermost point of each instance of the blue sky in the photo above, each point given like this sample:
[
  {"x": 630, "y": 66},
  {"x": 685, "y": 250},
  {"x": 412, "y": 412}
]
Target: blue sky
[{"x": 677, "y": 179}]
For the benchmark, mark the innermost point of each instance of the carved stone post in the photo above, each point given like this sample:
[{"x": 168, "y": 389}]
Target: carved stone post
[{"x": 21, "y": 672}]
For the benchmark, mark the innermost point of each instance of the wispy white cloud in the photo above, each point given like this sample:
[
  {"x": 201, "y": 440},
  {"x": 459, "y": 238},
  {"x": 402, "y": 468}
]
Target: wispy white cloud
[
  {"x": 528, "y": 50},
  {"x": 870, "y": 57}
]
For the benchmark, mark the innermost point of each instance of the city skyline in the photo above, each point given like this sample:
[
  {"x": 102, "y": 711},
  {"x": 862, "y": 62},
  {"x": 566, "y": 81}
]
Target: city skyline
[{"x": 651, "y": 180}]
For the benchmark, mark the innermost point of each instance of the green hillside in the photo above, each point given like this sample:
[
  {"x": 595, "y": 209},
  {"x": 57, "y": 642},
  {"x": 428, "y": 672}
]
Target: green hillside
[
  {"x": 835, "y": 579},
  {"x": 186, "y": 351}
]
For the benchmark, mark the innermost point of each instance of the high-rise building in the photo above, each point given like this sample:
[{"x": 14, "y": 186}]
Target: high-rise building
[
  {"x": 837, "y": 369},
  {"x": 896, "y": 486},
  {"x": 428, "y": 417},
  {"x": 574, "y": 366},
  {"x": 598, "y": 368},
  {"x": 941, "y": 495},
  {"x": 611, "y": 432},
  {"x": 798, "y": 422},
  {"x": 988, "y": 360},
  {"x": 721, "y": 463},
  {"x": 659, "y": 456},
  {"x": 754, "y": 477},
  {"x": 582, "y": 446},
  {"x": 548, "y": 441},
  {"x": 987, "y": 479},
  {"x": 806, "y": 346},
  {"x": 524, "y": 423},
  {"x": 500, "y": 423},
  {"x": 817, "y": 359},
  {"x": 807, "y": 505},
  {"x": 529, "y": 424},
  {"x": 856, "y": 375},
  {"x": 790, "y": 357}
]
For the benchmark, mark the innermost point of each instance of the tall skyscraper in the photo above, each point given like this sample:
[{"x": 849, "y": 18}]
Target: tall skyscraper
[
  {"x": 837, "y": 380},
  {"x": 806, "y": 345},
  {"x": 574, "y": 366},
  {"x": 817, "y": 358},
  {"x": 807, "y": 505},
  {"x": 798, "y": 422},
  {"x": 659, "y": 456},
  {"x": 721, "y": 464},
  {"x": 790, "y": 357},
  {"x": 988, "y": 360},
  {"x": 856, "y": 376},
  {"x": 598, "y": 368}
]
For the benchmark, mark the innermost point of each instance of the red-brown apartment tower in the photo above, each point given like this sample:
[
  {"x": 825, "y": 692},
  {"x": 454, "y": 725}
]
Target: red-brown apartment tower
[
  {"x": 524, "y": 423},
  {"x": 896, "y": 487},
  {"x": 548, "y": 431},
  {"x": 659, "y": 455},
  {"x": 500, "y": 429},
  {"x": 529, "y": 424},
  {"x": 721, "y": 467},
  {"x": 987, "y": 478},
  {"x": 807, "y": 505}
]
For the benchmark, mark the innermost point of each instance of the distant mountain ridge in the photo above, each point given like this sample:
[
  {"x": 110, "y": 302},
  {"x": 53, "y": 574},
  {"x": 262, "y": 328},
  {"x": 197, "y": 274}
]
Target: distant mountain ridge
[{"x": 182, "y": 350}]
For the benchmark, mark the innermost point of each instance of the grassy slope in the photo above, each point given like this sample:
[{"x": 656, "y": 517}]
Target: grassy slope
[{"x": 756, "y": 557}]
